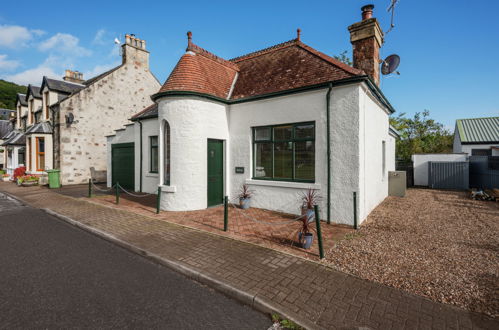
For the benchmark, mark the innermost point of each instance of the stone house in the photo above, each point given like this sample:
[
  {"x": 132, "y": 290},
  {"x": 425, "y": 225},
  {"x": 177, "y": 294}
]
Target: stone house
[
  {"x": 280, "y": 120},
  {"x": 15, "y": 141},
  {"x": 67, "y": 120}
]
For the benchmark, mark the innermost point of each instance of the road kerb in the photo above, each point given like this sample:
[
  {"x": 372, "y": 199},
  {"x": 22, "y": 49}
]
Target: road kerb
[{"x": 250, "y": 299}]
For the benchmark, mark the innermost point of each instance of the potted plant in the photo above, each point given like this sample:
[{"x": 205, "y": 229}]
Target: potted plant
[
  {"x": 309, "y": 199},
  {"x": 5, "y": 177},
  {"x": 245, "y": 197},
  {"x": 29, "y": 180}
]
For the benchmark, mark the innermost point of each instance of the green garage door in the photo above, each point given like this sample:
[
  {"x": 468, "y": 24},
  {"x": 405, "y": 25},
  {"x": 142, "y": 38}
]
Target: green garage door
[{"x": 123, "y": 169}]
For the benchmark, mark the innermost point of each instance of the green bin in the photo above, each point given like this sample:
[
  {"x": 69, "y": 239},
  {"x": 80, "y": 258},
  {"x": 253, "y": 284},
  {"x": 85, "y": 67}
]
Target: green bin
[{"x": 54, "y": 178}]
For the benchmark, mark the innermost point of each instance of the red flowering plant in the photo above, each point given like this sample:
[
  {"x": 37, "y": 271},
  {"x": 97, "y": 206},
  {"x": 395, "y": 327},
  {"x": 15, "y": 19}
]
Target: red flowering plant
[{"x": 19, "y": 172}]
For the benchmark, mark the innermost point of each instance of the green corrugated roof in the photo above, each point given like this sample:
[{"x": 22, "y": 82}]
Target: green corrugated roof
[{"x": 478, "y": 130}]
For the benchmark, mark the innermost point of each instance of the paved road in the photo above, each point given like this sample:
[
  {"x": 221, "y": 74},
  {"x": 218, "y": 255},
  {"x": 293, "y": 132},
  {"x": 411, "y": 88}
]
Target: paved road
[{"x": 53, "y": 275}]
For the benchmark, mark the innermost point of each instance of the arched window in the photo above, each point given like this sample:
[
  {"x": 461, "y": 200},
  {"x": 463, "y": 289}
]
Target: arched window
[{"x": 166, "y": 153}]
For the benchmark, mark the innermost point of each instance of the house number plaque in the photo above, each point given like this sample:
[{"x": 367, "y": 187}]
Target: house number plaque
[{"x": 240, "y": 170}]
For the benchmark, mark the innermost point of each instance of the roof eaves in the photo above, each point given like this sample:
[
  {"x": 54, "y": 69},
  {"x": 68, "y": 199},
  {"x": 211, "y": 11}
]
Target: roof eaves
[{"x": 355, "y": 79}]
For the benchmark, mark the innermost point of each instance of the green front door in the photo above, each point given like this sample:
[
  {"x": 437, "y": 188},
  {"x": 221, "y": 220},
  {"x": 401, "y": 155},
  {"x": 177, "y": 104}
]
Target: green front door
[
  {"x": 215, "y": 172},
  {"x": 123, "y": 168}
]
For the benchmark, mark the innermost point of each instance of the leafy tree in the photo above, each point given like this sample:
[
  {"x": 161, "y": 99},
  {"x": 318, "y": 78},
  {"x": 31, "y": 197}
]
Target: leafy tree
[
  {"x": 420, "y": 134},
  {"x": 343, "y": 57},
  {"x": 8, "y": 93}
]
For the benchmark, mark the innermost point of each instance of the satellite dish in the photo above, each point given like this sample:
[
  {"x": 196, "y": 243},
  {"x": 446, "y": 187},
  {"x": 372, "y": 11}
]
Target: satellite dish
[
  {"x": 117, "y": 41},
  {"x": 390, "y": 64}
]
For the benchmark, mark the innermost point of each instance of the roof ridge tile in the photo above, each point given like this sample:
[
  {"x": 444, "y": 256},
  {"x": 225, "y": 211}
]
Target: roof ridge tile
[{"x": 201, "y": 51}]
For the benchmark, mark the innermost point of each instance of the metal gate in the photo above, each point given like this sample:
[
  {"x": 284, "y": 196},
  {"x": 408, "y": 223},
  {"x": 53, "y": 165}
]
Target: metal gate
[
  {"x": 448, "y": 175},
  {"x": 482, "y": 174}
]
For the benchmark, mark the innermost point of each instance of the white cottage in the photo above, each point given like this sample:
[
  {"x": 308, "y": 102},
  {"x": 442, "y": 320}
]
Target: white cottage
[{"x": 281, "y": 120}]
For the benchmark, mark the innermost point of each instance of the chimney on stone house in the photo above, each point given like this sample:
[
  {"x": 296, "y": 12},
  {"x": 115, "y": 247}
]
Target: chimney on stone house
[
  {"x": 134, "y": 51},
  {"x": 366, "y": 37},
  {"x": 73, "y": 76}
]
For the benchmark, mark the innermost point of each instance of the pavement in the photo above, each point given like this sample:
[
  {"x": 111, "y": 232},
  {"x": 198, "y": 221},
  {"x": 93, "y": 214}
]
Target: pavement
[
  {"x": 55, "y": 275},
  {"x": 309, "y": 293}
]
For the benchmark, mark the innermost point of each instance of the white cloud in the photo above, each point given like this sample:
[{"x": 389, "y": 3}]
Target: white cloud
[
  {"x": 98, "y": 69},
  {"x": 33, "y": 76},
  {"x": 15, "y": 36},
  {"x": 64, "y": 43},
  {"x": 7, "y": 65},
  {"x": 100, "y": 37}
]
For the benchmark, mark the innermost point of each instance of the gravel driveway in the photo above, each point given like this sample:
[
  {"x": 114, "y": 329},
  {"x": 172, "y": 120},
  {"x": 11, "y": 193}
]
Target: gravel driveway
[{"x": 439, "y": 244}]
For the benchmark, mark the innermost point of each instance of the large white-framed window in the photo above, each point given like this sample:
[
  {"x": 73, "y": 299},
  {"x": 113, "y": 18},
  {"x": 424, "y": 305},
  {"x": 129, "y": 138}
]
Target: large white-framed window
[{"x": 284, "y": 152}]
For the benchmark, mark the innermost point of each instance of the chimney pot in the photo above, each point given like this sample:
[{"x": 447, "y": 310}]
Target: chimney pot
[
  {"x": 367, "y": 12},
  {"x": 73, "y": 76},
  {"x": 298, "y": 34}
]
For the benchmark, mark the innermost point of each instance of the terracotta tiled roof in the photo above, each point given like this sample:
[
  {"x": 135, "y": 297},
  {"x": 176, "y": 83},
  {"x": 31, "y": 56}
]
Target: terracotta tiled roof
[
  {"x": 285, "y": 66},
  {"x": 200, "y": 71}
]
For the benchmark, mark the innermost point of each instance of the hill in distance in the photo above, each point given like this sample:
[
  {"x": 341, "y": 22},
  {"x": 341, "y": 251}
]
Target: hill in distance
[{"x": 8, "y": 91}]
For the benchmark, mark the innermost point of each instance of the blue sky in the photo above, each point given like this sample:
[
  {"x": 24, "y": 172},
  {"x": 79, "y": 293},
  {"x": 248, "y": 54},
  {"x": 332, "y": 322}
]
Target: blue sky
[{"x": 448, "y": 48}]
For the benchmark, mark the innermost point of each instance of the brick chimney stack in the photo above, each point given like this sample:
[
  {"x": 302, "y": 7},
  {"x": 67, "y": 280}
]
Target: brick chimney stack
[
  {"x": 73, "y": 76},
  {"x": 366, "y": 37},
  {"x": 134, "y": 51}
]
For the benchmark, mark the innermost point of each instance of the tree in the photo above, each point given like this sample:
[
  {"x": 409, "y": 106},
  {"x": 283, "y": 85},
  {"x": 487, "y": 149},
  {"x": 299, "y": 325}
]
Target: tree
[
  {"x": 343, "y": 57},
  {"x": 420, "y": 134},
  {"x": 8, "y": 93}
]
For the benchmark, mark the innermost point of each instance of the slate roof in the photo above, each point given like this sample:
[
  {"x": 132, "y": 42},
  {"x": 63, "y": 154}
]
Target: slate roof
[
  {"x": 5, "y": 128},
  {"x": 41, "y": 128},
  {"x": 148, "y": 112},
  {"x": 285, "y": 66},
  {"x": 17, "y": 138},
  {"x": 478, "y": 130},
  {"x": 35, "y": 91},
  {"x": 61, "y": 86},
  {"x": 102, "y": 75},
  {"x": 22, "y": 99}
]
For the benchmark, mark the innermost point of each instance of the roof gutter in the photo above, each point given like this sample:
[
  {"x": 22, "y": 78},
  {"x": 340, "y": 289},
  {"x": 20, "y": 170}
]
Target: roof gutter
[{"x": 352, "y": 80}]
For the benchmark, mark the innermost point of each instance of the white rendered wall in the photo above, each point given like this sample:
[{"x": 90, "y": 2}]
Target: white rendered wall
[
  {"x": 13, "y": 162},
  {"x": 150, "y": 181},
  {"x": 421, "y": 164},
  {"x": 390, "y": 152},
  {"x": 295, "y": 108},
  {"x": 373, "y": 130},
  {"x": 192, "y": 122},
  {"x": 126, "y": 135}
]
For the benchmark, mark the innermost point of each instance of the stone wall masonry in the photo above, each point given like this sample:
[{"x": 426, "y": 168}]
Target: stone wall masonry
[{"x": 98, "y": 110}]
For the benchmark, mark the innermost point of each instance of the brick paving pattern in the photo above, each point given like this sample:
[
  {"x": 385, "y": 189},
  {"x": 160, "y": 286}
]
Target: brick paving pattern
[
  {"x": 266, "y": 228},
  {"x": 327, "y": 298}
]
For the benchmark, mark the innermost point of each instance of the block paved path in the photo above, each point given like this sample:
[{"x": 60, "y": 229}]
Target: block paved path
[{"x": 314, "y": 295}]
